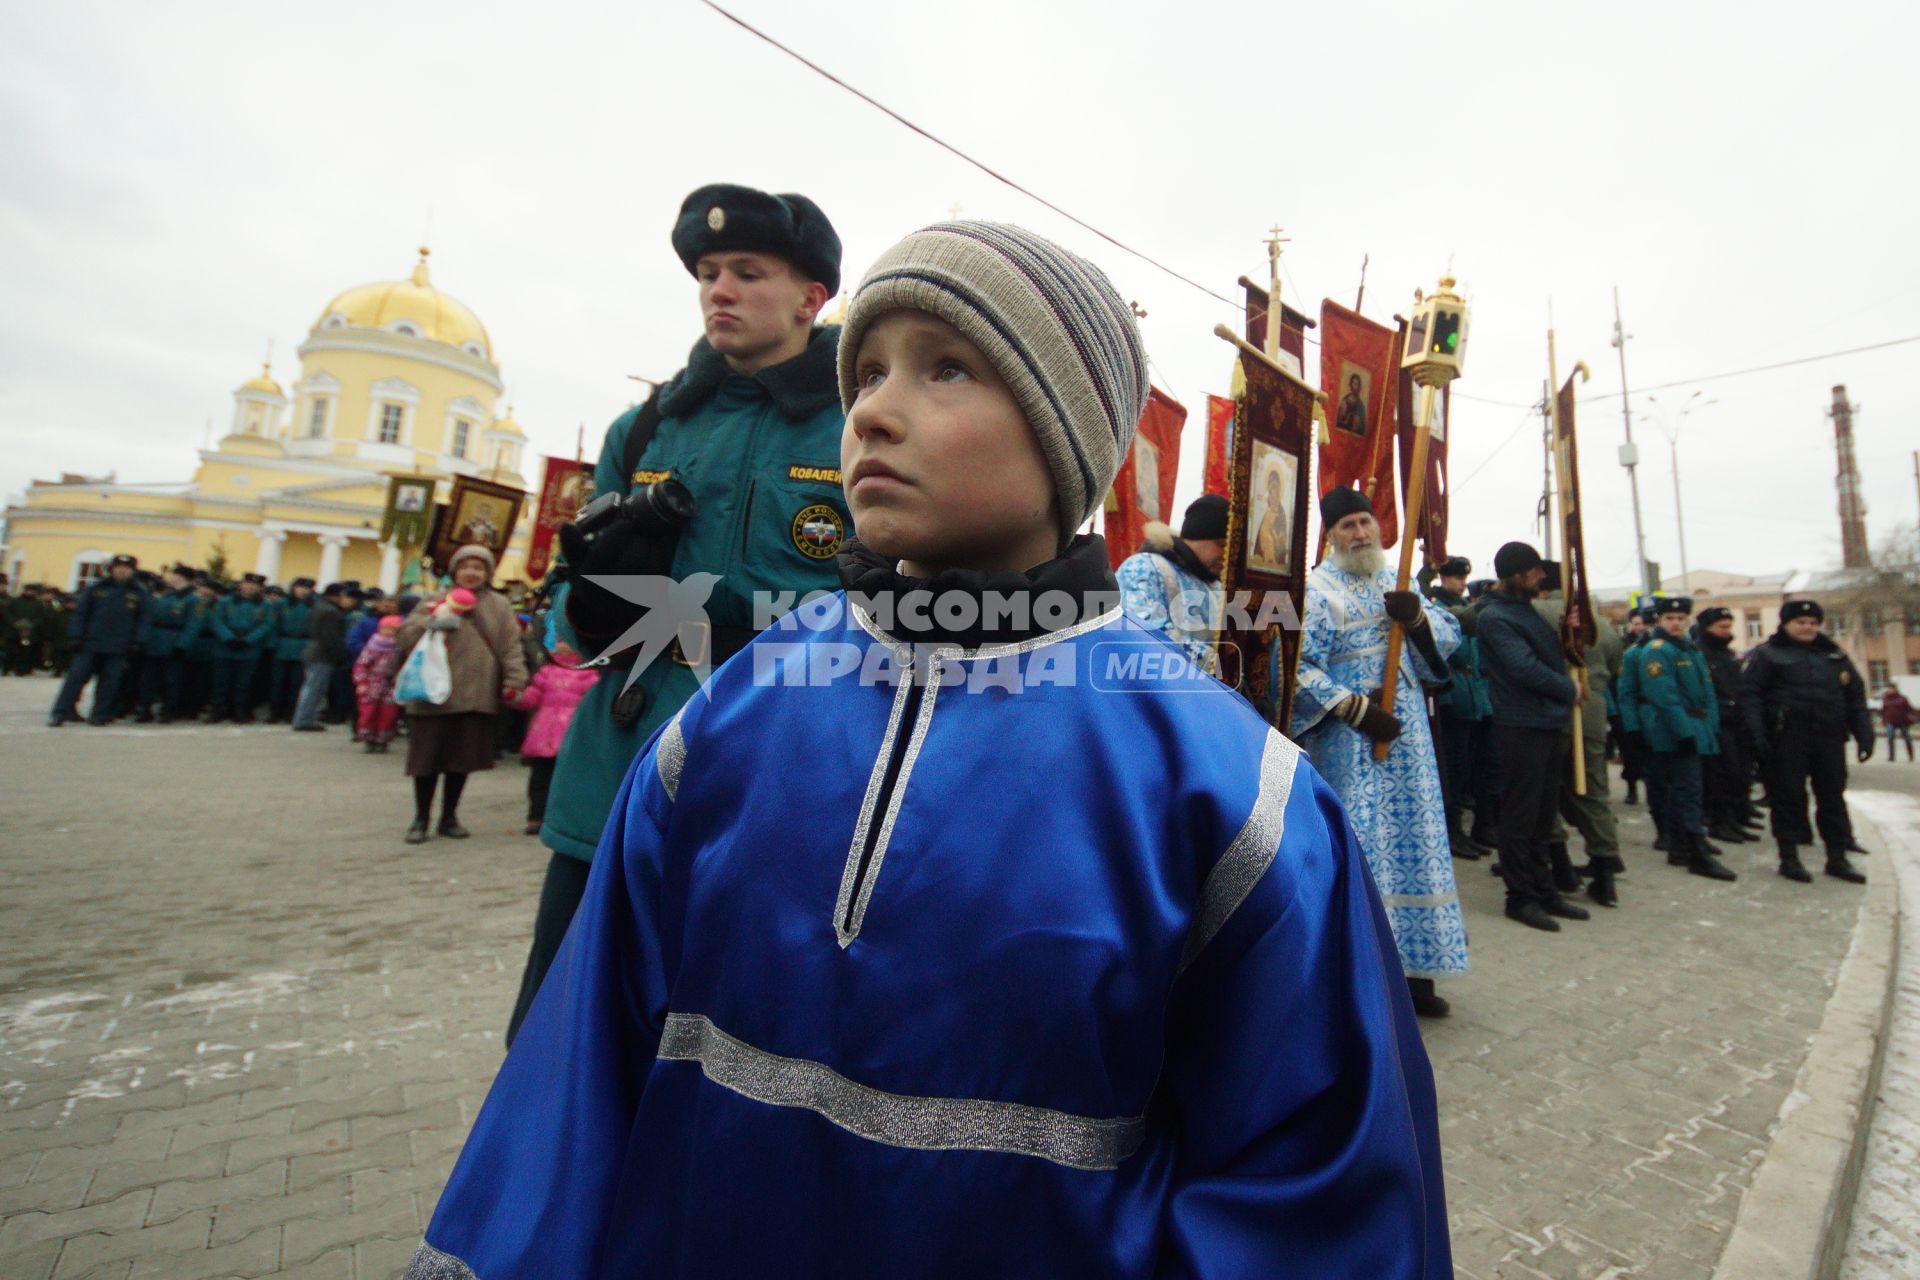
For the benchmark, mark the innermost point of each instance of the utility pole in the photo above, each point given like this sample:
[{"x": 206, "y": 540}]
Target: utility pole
[
  {"x": 1546, "y": 472},
  {"x": 1673, "y": 454},
  {"x": 1630, "y": 456}
]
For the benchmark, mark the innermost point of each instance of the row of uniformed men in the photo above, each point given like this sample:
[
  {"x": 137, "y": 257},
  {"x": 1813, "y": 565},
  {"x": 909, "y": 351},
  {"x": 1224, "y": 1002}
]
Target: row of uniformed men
[{"x": 184, "y": 644}]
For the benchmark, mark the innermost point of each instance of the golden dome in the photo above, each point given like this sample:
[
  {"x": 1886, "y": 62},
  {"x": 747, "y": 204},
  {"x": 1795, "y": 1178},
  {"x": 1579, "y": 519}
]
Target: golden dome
[
  {"x": 506, "y": 425},
  {"x": 264, "y": 382},
  {"x": 413, "y": 302}
]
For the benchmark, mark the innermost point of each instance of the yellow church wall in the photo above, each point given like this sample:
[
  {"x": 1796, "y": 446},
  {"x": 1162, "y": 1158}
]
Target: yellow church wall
[
  {"x": 245, "y": 480},
  {"x": 49, "y": 552},
  {"x": 425, "y": 425}
]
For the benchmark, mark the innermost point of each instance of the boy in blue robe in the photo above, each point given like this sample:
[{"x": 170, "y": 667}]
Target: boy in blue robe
[{"x": 954, "y": 930}]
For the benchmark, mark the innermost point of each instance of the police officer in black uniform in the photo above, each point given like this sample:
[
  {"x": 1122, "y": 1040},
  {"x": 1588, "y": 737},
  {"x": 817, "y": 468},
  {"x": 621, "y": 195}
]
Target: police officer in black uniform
[
  {"x": 1727, "y": 771},
  {"x": 1802, "y": 700},
  {"x": 108, "y": 625}
]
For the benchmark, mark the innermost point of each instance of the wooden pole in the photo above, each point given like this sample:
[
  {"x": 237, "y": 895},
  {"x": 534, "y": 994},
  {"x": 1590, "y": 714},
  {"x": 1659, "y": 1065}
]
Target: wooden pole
[
  {"x": 1416, "y": 495},
  {"x": 1566, "y": 586}
]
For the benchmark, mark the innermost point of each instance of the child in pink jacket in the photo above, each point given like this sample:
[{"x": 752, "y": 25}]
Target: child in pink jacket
[
  {"x": 373, "y": 673},
  {"x": 551, "y": 696}
]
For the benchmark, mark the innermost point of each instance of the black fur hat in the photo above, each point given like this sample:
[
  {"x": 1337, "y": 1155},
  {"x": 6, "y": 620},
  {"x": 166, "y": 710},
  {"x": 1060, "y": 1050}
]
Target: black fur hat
[{"x": 723, "y": 216}]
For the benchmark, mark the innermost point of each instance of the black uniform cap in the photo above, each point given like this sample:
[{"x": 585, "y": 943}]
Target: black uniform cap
[
  {"x": 302, "y": 582},
  {"x": 1454, "y": 567},
  {"x": 258, "y": 579},
  {"x": 724, "y": 216},
  {"x": 1709, "y": 616},
  {"x": 132, "y": 562},
  {"x": 1802, "y": 609},
  {"x": 1672, "y": 604}
]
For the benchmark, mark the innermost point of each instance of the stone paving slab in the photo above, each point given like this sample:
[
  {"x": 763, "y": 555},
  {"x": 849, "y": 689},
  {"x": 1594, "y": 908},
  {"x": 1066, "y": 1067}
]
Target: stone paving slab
[{"x": 243, "y": 1028}]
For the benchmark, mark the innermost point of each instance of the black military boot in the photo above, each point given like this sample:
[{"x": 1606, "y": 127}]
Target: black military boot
[
  {"x": 1532, "y": 914},
  {"x": 1633, "y": 791},
  {"x": 1559, "y": 906},
  {"x": 1840, "y": 869},
  {"x": 1600, "y": 888},
  {"x": 1791, "y": 866},
  {"x": 1483, "y": 833},
  {"x": 1426, "y": 1002},
  {"x": 1702, "y": 862},
  {"x": 1726, "y": 832},
  {"x": 1565, "y": 878},
  {"x": 1457, "y": 843}
]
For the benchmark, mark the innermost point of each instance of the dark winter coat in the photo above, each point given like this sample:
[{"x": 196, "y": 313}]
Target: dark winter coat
[
  {"x": 1724, "y": 667},
  {"x": 111, "y": 617},
  {"x": 326, "y": 635},
  {"x": 1526, "y": 672},
  {"x": 1814, "y": 688},
  {"x": 167, "y": 622}
]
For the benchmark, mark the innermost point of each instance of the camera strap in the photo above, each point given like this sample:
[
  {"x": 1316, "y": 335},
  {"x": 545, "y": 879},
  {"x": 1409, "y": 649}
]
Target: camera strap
[{"x": 639, "y": 436}]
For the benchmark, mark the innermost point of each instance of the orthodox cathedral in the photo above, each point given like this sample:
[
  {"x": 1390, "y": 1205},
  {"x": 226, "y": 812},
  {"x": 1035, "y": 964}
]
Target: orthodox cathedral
[{"x": 395, "y": 376}]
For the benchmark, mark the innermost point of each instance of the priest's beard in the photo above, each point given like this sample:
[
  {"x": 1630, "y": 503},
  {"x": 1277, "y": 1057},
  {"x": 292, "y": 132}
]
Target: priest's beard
[{"x": 1361, "y": 562}]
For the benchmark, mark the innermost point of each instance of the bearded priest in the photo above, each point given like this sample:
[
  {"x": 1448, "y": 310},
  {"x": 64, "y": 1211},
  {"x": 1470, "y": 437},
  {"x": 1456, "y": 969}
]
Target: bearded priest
[{"x": 1395, "y": 804}]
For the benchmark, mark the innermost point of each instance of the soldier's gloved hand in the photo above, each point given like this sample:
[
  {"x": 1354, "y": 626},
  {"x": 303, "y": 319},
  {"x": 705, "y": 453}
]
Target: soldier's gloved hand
[
  {"x": 622, "y": 549},
  {"x": 1366, "y": 715},
  {"x": 1404, "y": 608},
  {"x": 1866, "y": 751}
]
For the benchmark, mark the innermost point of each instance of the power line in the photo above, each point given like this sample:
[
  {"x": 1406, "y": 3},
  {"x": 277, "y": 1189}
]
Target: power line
[
  {"x": 942, "y": 143},
  {"x": 1763, "y": 368}
]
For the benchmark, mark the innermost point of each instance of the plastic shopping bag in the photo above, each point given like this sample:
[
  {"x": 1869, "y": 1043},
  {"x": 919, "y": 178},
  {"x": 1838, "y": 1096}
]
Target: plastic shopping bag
[{"x": 426, "y": 676}]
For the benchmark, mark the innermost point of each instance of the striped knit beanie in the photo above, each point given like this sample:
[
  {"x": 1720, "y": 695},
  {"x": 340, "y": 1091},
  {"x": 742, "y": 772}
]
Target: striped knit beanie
[{"x": 1056, "y": 332}]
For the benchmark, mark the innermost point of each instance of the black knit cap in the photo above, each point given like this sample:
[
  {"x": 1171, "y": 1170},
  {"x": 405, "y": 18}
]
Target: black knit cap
[
  {"x": 1802, "y": 609},
  {"x": 1206, "y": 518},
  {"x": 723, "y": 216},
  {"x": 1515, "y": 557},
  {"x": 1339, "y": 503}
]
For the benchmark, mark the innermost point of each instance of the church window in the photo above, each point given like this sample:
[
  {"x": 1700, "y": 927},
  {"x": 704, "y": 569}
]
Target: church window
[
  {"x": 1754, "y": 631},
  {"x": 406, "y": 331},
  {"x": 317, "y": 418},
  {"x": 460, "y": 429},
  {"x": 88, "y": 572},
  {"x": 1876, "y": 674},
  {"x": 390, "y": 423}
]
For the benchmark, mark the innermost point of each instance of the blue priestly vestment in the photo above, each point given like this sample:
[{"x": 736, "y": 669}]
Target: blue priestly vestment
[
  {"x": 901, "y": 961},
  {"x": 1395, "y": 804}
]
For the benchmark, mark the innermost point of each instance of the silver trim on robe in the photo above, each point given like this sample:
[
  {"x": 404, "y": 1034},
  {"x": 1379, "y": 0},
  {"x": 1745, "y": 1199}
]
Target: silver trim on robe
[
  {"x": 431, "y": 1264},
  {"x": 1251, "y": 852},
  {"x": 670, "y": 755},
  {"x": 851, "y": 873},
  {"x": 898, "y": 1119}
]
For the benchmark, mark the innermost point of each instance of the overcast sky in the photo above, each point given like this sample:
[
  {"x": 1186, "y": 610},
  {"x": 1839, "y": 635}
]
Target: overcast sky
[{"x": 181, "y": 184}]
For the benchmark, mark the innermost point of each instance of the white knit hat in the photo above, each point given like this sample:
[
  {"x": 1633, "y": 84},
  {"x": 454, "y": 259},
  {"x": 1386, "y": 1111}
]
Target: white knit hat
[{"x": 1058, "y": 334}]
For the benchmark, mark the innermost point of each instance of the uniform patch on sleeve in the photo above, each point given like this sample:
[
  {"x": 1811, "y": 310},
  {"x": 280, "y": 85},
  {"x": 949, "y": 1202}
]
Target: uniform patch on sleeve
[
  {"x": 818, "y": 532},
  {"x": 823, "y": 475},
  {"x": 650, "y": 477}
]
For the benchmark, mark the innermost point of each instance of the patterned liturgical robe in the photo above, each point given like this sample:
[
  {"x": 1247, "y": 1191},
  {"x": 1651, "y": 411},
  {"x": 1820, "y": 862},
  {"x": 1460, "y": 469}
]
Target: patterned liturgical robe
[{"x": 1394, "y": 804}]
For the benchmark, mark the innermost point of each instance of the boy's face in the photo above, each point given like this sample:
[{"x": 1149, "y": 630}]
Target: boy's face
[{"x": 942, "y": 470}]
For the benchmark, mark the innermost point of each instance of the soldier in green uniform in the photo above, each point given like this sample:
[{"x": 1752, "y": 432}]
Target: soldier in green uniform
[
  {"x": 241, "y": 624},
  {"x": 290, "y": 623},
  {"x": 752, "y": 428},
  {"x": 197, "y": 647},
  {"x": 1464, "y": 712},
  {"x": 1590, "y": 814},
  {"x": 162, "y": 660},
  {"x": 1667, "y": 702}
]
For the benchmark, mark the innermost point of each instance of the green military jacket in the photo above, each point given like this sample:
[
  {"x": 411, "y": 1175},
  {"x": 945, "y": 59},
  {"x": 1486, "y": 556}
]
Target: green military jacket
[
  {"x": 166, "y": 623},
  {"x": 1666, "y": 695},
  {"x": 1604, "y": 659},
  {"x": 290, "y": 621},
  {"x": 762, "y": 457},
  {"x": 197, "y": 639}
]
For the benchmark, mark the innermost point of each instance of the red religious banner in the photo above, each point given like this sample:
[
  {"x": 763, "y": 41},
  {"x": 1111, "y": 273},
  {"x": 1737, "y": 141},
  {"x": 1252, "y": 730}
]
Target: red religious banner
[
  {"x": 1143, "y": 489},
  {"x": 1219, "y": 444},
  {"x": 1293, "y": 325},
  {"x": 1433, "y": 502},
  {"x": 1268, "y": 497},
  {"x": 1358, "y": 362},
  {"x": 565, "y": 487}
]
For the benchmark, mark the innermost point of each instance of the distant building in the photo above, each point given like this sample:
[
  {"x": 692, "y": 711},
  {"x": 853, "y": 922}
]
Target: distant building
[{"x": 394, "y": 376}]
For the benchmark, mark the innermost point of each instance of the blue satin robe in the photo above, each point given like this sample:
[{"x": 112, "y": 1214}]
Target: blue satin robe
[{"x": 1115, "y": 996}]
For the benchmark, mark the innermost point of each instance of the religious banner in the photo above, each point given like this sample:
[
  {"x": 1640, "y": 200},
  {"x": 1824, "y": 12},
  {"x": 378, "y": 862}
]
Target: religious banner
[
  {"x": 1433, "y": 504},
  {"x": 566, "y": 485},
  {"x": 1268, "y": 496},
  {"x": 1143, "y": 488},
  {"x": 1293, "y": 329},
  {"x": 1359, "y": 360},
  {"x": 1573, "y": 542},
  {"x": 482, "y": 511},
  {"x": 409, "y": 511},
  {"x": 1219, "y": 444}
]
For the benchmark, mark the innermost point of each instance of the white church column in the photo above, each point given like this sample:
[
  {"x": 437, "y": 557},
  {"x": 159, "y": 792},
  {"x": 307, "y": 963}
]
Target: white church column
[
  {"x": 331, "y": 545},
  {"x": 389, "y": 567},
  {"x": 268, "y": 565}
]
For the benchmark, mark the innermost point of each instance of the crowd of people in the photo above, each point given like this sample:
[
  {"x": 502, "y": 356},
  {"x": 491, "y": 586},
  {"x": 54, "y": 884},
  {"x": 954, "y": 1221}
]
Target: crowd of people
[
  {"x": 181, "y": 646},
  {"x": 942, "y": 934}
]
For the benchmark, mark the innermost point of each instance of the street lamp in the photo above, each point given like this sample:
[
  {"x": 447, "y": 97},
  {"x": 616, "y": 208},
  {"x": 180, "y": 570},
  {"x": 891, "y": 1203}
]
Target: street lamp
[{"x": 1672, "y": 433}]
